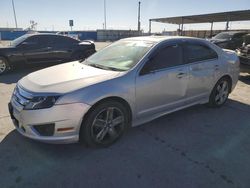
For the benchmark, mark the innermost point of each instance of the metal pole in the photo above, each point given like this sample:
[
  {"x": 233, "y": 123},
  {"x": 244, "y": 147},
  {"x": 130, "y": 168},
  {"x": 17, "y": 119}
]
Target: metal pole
[
  {"x": 149, "y": 27},
  {"x": 227, "y": 25},
  {"x": 182, "y": 26},
  {"x": 211, "y": 30},
  {"x": 139, "y": 17},
  {"x": 105, "y": 18},
  {"x": 13, "y": 5}
]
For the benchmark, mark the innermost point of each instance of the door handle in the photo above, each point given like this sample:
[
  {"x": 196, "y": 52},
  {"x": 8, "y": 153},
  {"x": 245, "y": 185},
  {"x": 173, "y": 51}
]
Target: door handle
[
  {"x": 216, "y": 67},
  {"x": 181, "y": 75}
]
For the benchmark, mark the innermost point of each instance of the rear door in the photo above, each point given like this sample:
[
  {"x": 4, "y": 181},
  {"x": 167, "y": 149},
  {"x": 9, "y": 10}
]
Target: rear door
[
  {"x": 64, "y": 47},
  {"x": 162, "y": 83},
  {"x": 203, "y": 68}
]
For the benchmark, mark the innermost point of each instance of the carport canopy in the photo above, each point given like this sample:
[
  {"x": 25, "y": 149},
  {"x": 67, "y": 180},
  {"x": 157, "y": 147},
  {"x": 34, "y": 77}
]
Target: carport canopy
[{"x": 242, "y": 15}]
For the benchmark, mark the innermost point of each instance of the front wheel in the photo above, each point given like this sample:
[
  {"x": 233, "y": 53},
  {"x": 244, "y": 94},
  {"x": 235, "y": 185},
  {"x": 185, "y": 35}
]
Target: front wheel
[
  {"x": 104, "y": 124},
  {"x": 220, "y": 93},
  {"x": 4, "y": 65}
]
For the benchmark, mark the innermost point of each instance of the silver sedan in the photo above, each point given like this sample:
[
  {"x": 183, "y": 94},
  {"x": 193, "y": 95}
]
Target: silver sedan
[{"x": 128, "y": 83}]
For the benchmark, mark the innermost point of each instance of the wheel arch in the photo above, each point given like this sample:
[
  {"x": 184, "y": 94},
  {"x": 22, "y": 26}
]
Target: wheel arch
[
  {"x": 229, "y": 78},
  {"x": 111, "y": 98},
  {"x": 5, "y": 57},
  {"x": 8, "y": 65}
]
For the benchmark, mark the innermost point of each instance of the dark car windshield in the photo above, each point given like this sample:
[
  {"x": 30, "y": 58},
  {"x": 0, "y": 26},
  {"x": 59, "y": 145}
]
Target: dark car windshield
[
  {"x": 226, "y": 36},
  {"x": 19, "y": 40},
  {"x": 120, "y": 56}
]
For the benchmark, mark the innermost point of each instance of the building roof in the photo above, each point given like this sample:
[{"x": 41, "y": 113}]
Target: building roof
[{"x": 242, "y": 15}]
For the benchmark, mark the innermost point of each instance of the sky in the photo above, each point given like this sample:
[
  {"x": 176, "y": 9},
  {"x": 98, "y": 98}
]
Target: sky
[{"x": 121, "y": 14}]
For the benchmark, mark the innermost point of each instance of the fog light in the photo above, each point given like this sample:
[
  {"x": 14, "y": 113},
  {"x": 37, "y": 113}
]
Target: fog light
[{"x": 45, "y": 129}]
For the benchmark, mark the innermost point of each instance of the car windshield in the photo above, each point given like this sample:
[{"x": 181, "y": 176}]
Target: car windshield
[
  {"x": 226, "y": 36},
  {"x": 120, "y": 56},
  {"x": 18, "y": 40}
]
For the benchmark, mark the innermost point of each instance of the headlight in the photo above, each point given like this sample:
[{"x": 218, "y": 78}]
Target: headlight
[{"x": 41, "y": 102}]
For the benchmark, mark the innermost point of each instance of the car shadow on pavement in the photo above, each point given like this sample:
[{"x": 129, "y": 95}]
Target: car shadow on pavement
[
  {"x": 245, "y": 78},
  {"x": 15, "y": 75},
  {"x": 201, "y": 141}
]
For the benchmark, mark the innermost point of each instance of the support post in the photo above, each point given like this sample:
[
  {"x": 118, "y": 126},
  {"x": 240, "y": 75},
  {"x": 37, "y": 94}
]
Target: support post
[
  {"x": 211, "y": 29},
  {"x": 227, "y": 25},
  {"x": 149, "y": 31},
  {"x": 182, "y": 26}
]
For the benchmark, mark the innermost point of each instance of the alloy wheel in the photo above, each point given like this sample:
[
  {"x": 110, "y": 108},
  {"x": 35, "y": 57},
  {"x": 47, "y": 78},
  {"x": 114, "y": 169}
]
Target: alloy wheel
[
  {"x": 2, "y": 66},
  {"x": 222, "y": 92},
  {"x": 108, "y": 125}
]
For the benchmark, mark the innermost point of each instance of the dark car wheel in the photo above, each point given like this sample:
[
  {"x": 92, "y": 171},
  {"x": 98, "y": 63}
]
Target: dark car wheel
[
  {"x": 220, "y": 93},
  {"x": 104, "y": 124},
  {"x": 4, "y": 65}
]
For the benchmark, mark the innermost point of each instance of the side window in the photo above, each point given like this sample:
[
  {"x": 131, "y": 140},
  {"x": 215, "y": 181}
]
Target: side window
[
  {"x": 29, "y": 43},
  {"x": 44, "y": 41},
  {"x": 31, "y": 40},
  {"x": 167, "y": 57},
  {"x": 238, "y": 35},
  {"x": 64, "y": 41},
  {"x": 198, "y": 52}
]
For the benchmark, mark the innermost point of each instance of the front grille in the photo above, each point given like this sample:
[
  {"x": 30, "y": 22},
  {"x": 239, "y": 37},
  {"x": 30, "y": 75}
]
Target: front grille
[{"x": 21, "y": 96}]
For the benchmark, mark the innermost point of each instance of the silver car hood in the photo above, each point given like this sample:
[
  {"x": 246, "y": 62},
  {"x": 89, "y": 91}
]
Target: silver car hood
[{"x": 65, "y": 78}]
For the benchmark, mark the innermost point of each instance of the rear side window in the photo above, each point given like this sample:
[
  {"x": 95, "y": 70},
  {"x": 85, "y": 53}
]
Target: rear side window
[
  {"x": 167, "y": 57},
  {"x": 239, "y": 35},
  {"x": 198, "y": 52},
  {"x": 64, "y": 41}
]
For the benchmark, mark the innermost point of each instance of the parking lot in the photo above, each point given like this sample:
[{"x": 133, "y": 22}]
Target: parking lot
[{"x": 195, "y": 147}]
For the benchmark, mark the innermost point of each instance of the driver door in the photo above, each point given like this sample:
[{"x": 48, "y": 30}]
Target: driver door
[
  {"x": 162, "y": 83},
  {"x": 38, "y": 49}
]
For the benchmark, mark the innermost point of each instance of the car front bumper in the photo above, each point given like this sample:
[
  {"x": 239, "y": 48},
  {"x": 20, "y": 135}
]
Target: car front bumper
[{"x": 66, "y": 120}]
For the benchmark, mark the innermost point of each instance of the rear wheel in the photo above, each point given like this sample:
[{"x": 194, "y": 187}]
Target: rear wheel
[
  {"x": 104, "y": 124},
  {"x": 4, "y": 65},
  {"x": 220, "y": 93}
]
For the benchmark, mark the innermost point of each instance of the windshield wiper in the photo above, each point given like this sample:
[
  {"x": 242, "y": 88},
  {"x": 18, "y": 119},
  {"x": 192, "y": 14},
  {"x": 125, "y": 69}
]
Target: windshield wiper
[
  {"x": 104, "y": 67},
  {"x": 114, "y": 69},
  {"x": 98, "y": 66}
]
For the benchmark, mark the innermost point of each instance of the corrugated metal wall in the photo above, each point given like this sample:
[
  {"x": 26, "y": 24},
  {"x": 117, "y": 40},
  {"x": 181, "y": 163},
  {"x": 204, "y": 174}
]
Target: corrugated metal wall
[
  {"x": 11, "y": 35},
  {"x": 112, "y": 35},
  {"x": 83, "y": 35}
]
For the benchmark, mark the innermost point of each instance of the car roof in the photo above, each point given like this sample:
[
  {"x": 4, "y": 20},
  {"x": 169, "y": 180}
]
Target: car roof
[
  {"x": 158, "y": 39},
  {"x": 48, "y": 34}
]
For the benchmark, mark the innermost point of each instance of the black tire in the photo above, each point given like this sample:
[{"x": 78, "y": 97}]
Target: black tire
[
  {"x": 4, "y": 65},
  {"x": 97, "y": 130},
  {"x": 219, "y": 97}
]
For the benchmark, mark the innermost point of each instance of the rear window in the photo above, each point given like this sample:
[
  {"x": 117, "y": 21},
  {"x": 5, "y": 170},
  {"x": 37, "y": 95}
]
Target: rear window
[
  {"x": 198, "y": 52},
  {"x": 65, "y": 41}
]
